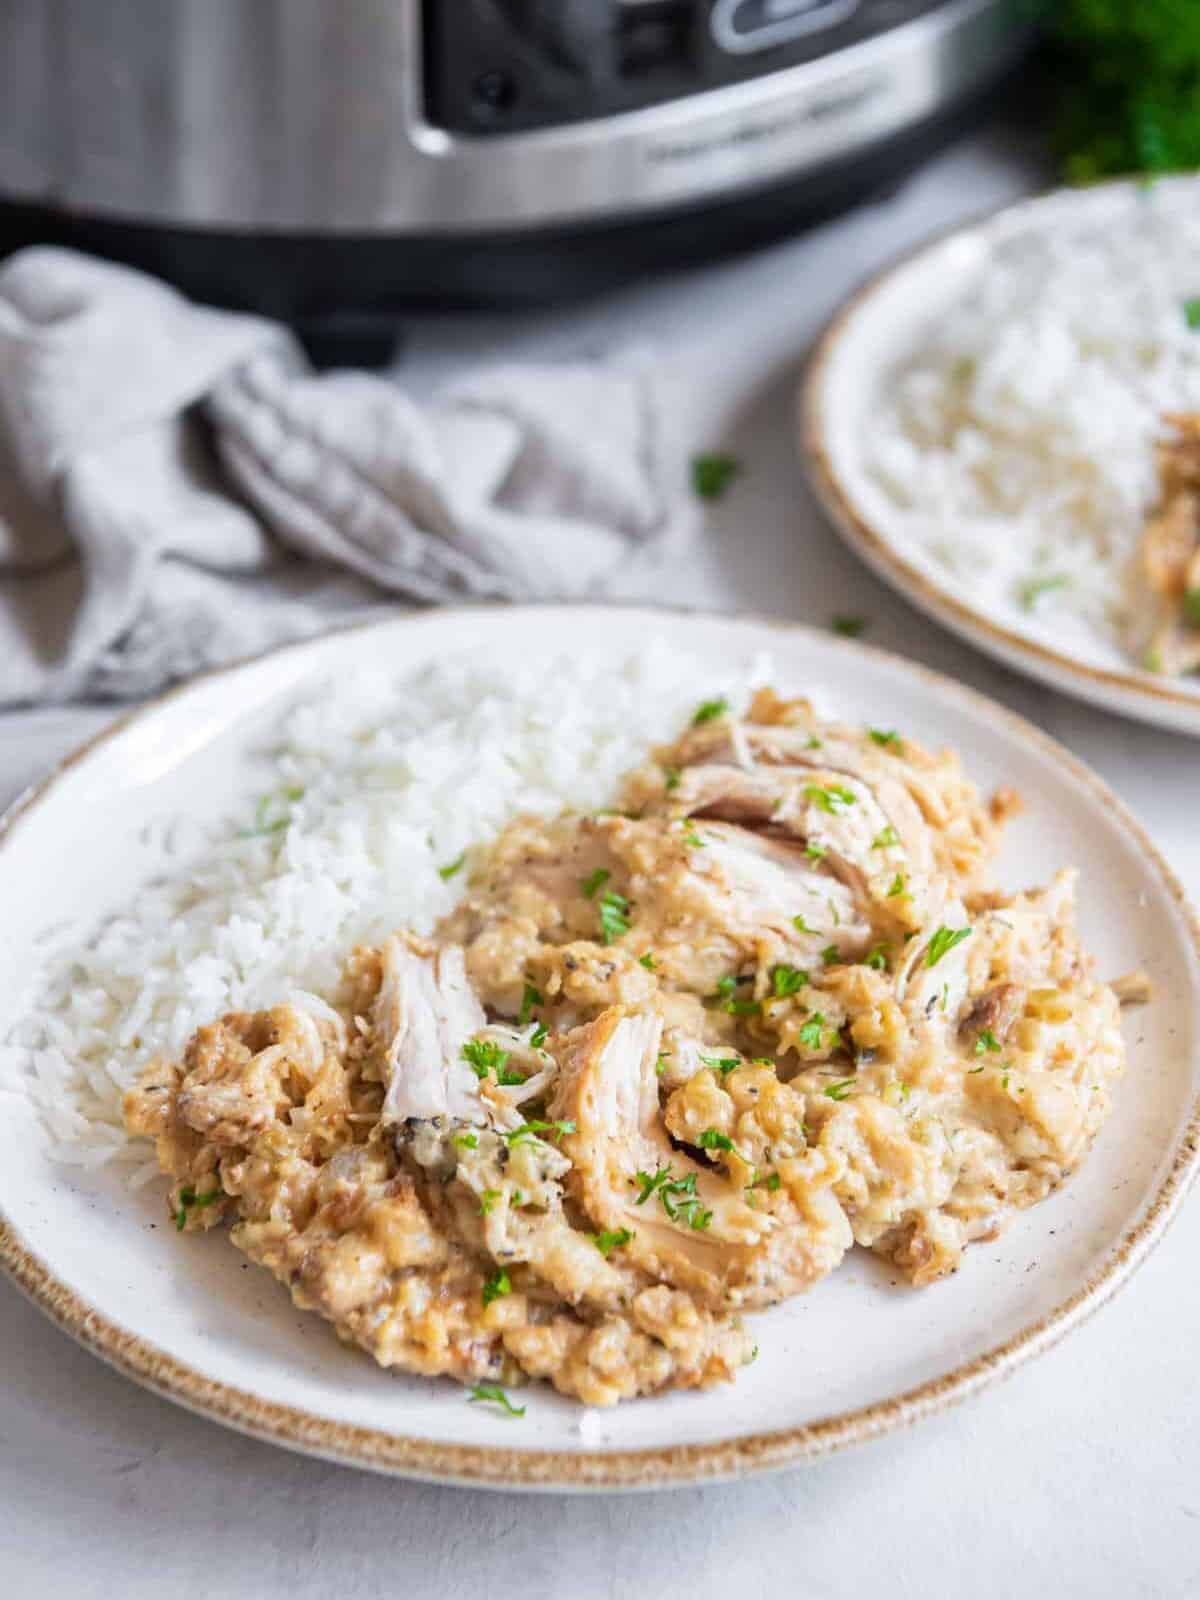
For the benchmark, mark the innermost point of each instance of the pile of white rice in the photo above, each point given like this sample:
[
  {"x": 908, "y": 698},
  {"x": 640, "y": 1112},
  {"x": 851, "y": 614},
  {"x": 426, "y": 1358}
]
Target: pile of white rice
[
  {"x": 372, "y": 786},
  {"x": 1018, "y": 440}
]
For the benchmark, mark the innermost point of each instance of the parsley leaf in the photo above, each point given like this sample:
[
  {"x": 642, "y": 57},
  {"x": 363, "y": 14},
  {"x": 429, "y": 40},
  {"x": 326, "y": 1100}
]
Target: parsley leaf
[
  {"x": 885, "y": 838},
  {"x": 839, "y": 1091},
  {"x": 714, "y": 1139},
  {"x": 613, "y": 921},
  {"x": 678, "y": 1196},
  {"x": 1191, "y": 314},
  {"x": 484, "y": 1055},
  {"x": 899, "y": 886},
  {"x": 887, "y": 737},
  {"x": 830, "y": 955},
  {"x": 466, "y": 1141},
  {"x": 943, "y": 941},
  {"x": 986, "y": 1041},
  {"x": 712, "y": 473},
  {"x": 770, "y": 1181},
  {"x": 1032, "y": 591},
  {"x": 831, "y": 797},
  {"x": 877, "y": 958},
  {"x": 487, "y": 1202},
  {"x": 594, "y": 881},
  {"x": 692, "y": 837},
  {"x": 647, "y": 961},
  {"x": 447, "y": 872},
  {"x": 848, "y": 627},
  {"x": 709, "y": 711},
  {"x": 529, "y": 999},
  {"x": 814, "y": 851},
  {"x": 495, "y": 1395},
  {"x": 673, "y": 778},
  {"x": 610, "y": 1240},
  {"x": 788, "y": 980},
  {"x": 722, "y": 1064},
  {"x": 499, "y": 1283},
  {"x": 810, "y": 1035},
  {"x": 530, "y": 1130}
]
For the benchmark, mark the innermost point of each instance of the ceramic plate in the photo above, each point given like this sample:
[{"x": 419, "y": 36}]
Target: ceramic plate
[
  {"x": 858, "y": 1356},
  {"x": 880, "y": 327}
]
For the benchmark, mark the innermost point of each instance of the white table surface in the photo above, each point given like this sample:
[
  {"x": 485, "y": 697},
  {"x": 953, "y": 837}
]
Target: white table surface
[{"x": 1079, "y": 1477}]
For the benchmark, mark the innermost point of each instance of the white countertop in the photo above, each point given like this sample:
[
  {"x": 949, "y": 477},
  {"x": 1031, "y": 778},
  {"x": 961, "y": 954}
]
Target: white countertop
[{"x": 1079, "y": 1477}]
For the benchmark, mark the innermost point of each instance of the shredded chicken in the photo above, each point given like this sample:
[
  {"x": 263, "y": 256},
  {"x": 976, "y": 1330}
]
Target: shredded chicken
[{"x": 659, "y": 1068}]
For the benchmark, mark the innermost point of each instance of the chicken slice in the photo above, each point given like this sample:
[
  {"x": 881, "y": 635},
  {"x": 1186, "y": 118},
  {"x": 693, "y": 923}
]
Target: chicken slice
[
  {"x": 424, "y": 1013},
  {"x": 691, "y": 1224}
]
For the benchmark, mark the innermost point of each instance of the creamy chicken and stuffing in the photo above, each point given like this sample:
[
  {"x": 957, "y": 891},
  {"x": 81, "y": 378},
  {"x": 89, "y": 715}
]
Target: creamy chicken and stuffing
[{"x": 661, "y": 1067}]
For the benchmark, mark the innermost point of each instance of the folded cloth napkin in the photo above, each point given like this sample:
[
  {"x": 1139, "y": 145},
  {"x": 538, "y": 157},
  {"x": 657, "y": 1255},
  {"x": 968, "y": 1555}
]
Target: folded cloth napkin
[{"x": 178, "y": 487}]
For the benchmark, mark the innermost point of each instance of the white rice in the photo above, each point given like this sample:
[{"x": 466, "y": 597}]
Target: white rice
[
  {"x": 377, "y": 783},
  {"x": 1018, "y": 440}
]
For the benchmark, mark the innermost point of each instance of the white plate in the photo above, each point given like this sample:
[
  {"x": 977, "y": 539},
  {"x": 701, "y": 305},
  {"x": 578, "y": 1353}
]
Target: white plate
[
  {"x": 859, "y": 1355},
  {"x": 849, "y": 371}
]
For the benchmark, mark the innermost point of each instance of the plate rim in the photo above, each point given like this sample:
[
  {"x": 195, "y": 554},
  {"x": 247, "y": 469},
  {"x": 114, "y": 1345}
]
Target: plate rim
[
  {"x": 1140, "y": 696},
  {"x": 660, "y": 1466}
]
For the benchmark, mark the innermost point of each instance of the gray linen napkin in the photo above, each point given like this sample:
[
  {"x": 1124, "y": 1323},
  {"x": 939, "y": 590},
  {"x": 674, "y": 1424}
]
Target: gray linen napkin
[{"x": 164, "y": 467}]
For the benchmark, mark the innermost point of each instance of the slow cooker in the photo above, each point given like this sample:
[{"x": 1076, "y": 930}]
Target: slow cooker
[{"x": 309, "y": 156}]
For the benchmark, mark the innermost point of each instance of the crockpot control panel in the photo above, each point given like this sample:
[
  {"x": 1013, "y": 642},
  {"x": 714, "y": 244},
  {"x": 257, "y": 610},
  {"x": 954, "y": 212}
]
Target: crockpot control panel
[{"x": 502, "y": 66}]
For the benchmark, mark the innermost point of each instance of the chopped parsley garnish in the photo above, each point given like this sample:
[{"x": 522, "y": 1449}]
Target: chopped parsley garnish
[
  {"x": 714, "y": 1139},
  {"x": 494, "y": 1395},
  {"x": 712, "y": 473},
  {"x": 484, "y": 1056},
  {"x": 1033, "y": 589},
  {"x": 886, "y": 737},
  {"x": 451, "y": 867},
  {"x": 770, "y": 1181},
  {"x": 610, "y": 1240},
  {"x": 1004, "y": 1080},
  {"x": 466, "y": 1141},
  {"x": 613, "y": 920},
  {"x": 264, "y": 821},
  {"x": 660, "y": 1066},
  {"x": 877, "y": 958},
  {"x": 709, "y": 711},
  {"x": 1191, "y": 607},
  {"x": 743, "y": 1008},
  {"x": 885, "y": 838},
  {"x": 529, "y": 999},
  {"x": 830, "y": 797},
  {"x": 673, "y": 778},
  {"x": 1191, "y": 314},
  {"x": 815, "y": 851},
  {"x": 801, "y": 926},
  {"x": 594, "y": 881},
  {"x": 728, "y": 984},
  {"x": 813, "y": 743},
  {"x": 839, "y": 1091},
  {"x": 722, "y": 1064},
  {"x": 831, "y": 955},
  {"x": 986, "y": 1041},
  {"x": 647, "y": 961},
  {"x": 499, "y": 1283},
  {"x": 788, "y": 980},
  {"x": 692, "y": 837},
  {"x": 973, "y": 1070},
  {"x": 899, "y": 886},
  {"x": 531, "y": 1130},
  {"x": 189, "y": 1198},
  {"x": 848, "y": 627},
  {"x": 810, "y": 1035},
  {"x": 943, "y": 941},
  {"x": 487, "y": 1202},
  {"x": 678, "y": 1196}
]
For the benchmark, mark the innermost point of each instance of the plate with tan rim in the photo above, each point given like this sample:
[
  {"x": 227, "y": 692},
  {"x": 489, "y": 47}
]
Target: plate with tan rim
[
  {"x": 860, "y": 1355},
  {"x": 881, "y": 327}
]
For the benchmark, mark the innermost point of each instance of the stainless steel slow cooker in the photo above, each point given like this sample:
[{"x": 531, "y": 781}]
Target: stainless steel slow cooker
[{"x": 297, "y": 154}]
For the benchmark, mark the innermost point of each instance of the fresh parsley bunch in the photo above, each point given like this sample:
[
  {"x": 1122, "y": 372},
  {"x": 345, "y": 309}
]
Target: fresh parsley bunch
[{"x": 1130, "y": 92}]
